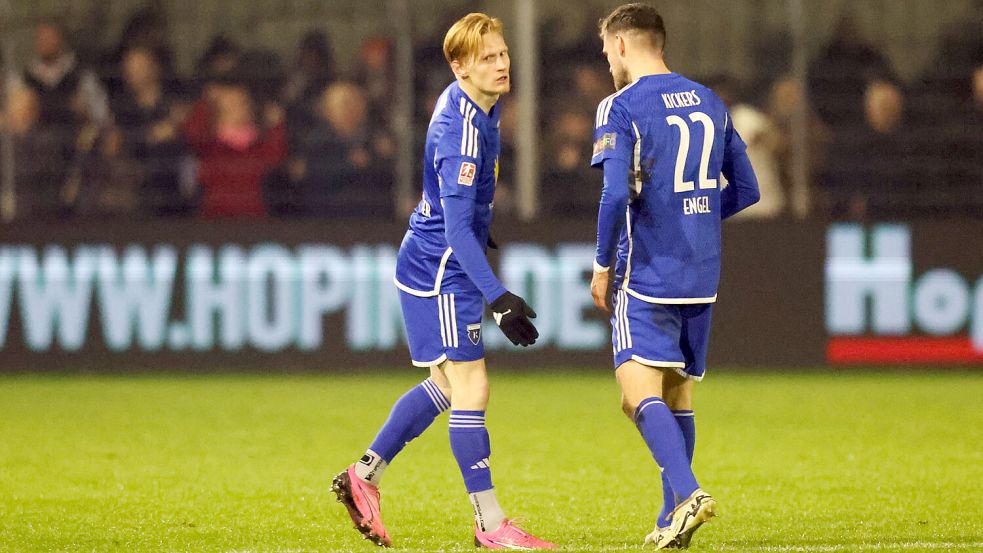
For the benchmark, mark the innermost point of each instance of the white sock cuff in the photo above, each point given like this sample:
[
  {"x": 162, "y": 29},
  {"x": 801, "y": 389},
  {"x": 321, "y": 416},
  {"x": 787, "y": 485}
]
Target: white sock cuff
[
  {"x": 438, "y": 398},
  {"x": 466, "y": 421}
]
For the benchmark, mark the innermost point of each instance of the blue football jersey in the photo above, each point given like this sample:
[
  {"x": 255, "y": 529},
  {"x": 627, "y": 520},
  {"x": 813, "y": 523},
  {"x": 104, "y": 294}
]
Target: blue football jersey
[
  {"x": 675, "y": 135},
  {"x": 460, "y": 159}
]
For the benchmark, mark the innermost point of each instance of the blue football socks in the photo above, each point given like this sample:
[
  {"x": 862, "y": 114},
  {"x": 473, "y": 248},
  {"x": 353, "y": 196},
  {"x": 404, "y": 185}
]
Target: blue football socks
[
  {"x": 687, "y": 424},
  {"x": 665, "y": 440},
  {"x": 471, "y": 447},
  {"x": 469, "y": 442},
  {"x": 411, "y": 415}
]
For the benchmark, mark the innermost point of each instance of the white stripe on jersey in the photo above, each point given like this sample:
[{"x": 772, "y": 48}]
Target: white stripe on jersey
[
  {"x": 468, "y": 139},
  {"x": 638, "y": 159},
  {"x": 464, "y": 126},
  {"x": 601, "y": 112},
  {"x": 631, "y": 247},
  {"x": 475, "y": 130},
  {"x": 473, "y": 152},
  {"x": 469, "y": 133},
  {"x": 604, "y": 108}
]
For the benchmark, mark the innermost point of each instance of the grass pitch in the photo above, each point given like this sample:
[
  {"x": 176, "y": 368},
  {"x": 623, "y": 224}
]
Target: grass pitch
[{"x": 825, "y": 461}]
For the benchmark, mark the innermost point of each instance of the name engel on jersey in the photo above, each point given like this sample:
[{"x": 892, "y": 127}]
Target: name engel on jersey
[
  {"x": 674, "y": 100},
  {"x": 693, "y": 206}
]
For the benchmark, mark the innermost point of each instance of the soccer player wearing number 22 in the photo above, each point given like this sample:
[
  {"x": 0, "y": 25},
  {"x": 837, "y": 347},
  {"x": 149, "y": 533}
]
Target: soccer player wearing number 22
[
  {"x": 444, "y": 279},
  {"x": 663, "y": 142}
]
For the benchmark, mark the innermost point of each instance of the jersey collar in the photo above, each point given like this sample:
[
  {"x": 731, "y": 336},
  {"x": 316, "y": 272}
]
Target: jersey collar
[{"x": 481, "y": 118}]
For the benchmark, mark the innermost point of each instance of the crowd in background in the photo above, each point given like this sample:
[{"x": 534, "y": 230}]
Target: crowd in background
[
  {"x": 242, "y": 137},
  {"x": 248, "y": 135}
]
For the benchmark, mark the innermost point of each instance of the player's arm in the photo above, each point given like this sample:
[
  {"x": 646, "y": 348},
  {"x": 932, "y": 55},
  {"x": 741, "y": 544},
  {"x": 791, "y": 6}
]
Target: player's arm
[
  {"x": 610, "y": 222},
  {"x": 459, "y": 217},
  {"x": 511, "y": 312},
  {"x": 613, "y": 146},
  {"x": 742, "y": 192}
]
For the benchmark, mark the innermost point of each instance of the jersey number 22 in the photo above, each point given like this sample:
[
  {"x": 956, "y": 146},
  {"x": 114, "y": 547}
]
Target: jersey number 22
[{"x": 679, "y": 185}]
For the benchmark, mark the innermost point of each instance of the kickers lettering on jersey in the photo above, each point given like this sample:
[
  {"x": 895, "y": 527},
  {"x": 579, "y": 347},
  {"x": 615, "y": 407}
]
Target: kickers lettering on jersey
[
  {"x": 693, "y": 206},
  {"x": 466, "y": 175}
]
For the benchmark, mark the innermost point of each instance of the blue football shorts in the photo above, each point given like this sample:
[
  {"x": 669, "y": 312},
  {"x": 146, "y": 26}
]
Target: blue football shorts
[
  {"x": 661, "y": 335},
  {"x": 442, "y": 327}
]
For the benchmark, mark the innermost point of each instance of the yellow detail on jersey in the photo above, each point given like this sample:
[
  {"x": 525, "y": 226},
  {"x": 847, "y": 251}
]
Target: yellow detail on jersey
[{"x": 496, "y": 170}]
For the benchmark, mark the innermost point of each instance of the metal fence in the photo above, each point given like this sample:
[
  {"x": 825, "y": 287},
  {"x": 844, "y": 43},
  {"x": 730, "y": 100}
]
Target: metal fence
[{"x": 297, "y": 108}]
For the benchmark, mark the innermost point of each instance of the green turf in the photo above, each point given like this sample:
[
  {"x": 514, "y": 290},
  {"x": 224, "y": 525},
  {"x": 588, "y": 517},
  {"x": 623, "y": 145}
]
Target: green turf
[{"x": 798, "y": 462}]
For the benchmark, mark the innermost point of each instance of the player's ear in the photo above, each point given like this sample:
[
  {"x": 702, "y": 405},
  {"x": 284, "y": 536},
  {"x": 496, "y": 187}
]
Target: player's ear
[{"x": 458, "y": 69}]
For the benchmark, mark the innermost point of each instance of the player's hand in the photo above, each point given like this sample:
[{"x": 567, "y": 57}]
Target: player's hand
[
  {"x": 599, "y": 285},
  {"x": 512, "y": 315}
]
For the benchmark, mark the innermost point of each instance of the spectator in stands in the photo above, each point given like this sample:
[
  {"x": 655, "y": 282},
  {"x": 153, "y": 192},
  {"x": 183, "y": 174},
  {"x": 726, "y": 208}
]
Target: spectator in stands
[
  {"x": 569, "y": 188},
  {"x": 220, "y": 60},
  {"x": 39, "y": 156},
  {"x": 872, "y": 172},
  {"x": 146, "y": 28},
  {"x": 505, "y": 189},
  {"x": 961, "y": 152},
  {"x": 58, "y": 79},
  {"x": 785, "y": 100},
  {"x": 375, "y": 76},
  {"x": 838, "y": 77},
  {"x": 98, "y": 183},
  {"x": 763, "y": 141},
  {"x": 238, "y": 141},
  {"x": 149, "y": 117},
  {"x": 339, "y": 167},
  {"x": 591, "y": 84},
  {"x": 313, "y": 71}
]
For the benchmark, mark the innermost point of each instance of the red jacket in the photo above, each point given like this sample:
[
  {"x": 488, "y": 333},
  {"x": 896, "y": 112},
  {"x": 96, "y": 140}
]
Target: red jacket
[{"x": 231, "y": 178}]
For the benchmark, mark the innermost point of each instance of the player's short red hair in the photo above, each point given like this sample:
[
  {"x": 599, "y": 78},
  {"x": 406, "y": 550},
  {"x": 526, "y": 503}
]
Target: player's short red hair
[{"x": 463, "y": 39}]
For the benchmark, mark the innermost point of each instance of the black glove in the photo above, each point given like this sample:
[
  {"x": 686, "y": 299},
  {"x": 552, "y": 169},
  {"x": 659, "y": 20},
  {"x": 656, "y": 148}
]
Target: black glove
[{"x": 512, "y": 315}]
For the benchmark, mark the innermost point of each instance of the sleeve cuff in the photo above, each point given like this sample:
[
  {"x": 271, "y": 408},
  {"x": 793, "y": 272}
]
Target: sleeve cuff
[{"x": 598, "y": 268}]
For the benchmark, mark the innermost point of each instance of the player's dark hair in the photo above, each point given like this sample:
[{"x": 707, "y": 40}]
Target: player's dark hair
[{"x": 636, "y": 17}]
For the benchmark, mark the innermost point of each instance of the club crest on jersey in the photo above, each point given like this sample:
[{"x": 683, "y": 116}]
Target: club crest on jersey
[
  {"x": 466, "y": 176},
  {"x": 606, "y": 142},
  {"x": 474, "y": 333}
]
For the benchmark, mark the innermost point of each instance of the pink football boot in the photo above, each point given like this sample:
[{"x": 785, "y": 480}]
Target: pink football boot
[
  {"x": 509, "y": 536},
  {"x": 362, "y": 502}
]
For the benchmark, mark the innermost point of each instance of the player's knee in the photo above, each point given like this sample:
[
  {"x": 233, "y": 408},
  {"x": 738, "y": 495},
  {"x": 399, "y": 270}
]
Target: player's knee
[
  {"x": 471, "y": 395},
  {"x": 446, "y": 390},
  {"x": 628, "y": 408}
]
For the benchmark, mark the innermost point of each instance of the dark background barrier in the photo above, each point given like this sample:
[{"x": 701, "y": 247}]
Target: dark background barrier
[{"x": 318, "y": 295}]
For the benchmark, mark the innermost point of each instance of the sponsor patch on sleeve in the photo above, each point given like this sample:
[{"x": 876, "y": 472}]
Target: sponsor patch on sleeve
[
  {"x": 466, "y": 176},
  {"x": 606, "y": 142}
]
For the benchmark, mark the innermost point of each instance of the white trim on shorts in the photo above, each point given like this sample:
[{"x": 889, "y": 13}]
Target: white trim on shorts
[
  {"x": 659, "y": 364},
  {"x": 677, "y": 366},
  {"x": 670, "y": 301},
  {"x": 437, "y": 281},
  {"x": 428, "y": 364}
]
